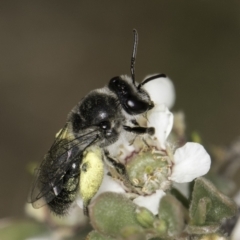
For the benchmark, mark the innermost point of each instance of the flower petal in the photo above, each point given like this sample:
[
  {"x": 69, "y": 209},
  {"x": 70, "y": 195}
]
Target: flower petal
[
  {"x": 110, "y": 185},
  {"x": 162, "y": 120},
  {"x": 150, "y": 202},
  {"x": 161, "y": 90},
  {"x": 190, "y": 161}
]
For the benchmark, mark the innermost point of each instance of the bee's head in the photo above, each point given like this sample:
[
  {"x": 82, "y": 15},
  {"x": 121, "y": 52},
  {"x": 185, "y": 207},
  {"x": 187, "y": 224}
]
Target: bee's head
[{"x": 133, "y": 100}]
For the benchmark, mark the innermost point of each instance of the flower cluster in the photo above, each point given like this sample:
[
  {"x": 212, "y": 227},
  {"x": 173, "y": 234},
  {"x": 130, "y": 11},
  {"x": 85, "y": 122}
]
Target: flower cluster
[{"x": 156, "y": 163}]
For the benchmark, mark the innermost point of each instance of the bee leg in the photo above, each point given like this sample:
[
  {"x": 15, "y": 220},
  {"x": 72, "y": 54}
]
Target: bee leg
[
  {"x": 144, "y": 140},
  {"x": 131, "y": 142},
  {"x": 118, "y": 170},
  {"x": 119, "y": 167},
  {"x": 134, "y": 121},
  {"x": 85, "y": 209},
  {"x": 140, "y": 130}
]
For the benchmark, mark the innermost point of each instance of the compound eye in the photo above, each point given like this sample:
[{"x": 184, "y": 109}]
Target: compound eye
[
  {"x": 105, "y": 125},
  {"x": 137, "y": 106}
]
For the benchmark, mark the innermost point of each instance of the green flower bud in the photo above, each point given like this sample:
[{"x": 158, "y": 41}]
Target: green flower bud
[
  {"x": 203, "y": 207},
  {"x": 161, "y": 227},
  {"x": 145, "y": 217}
]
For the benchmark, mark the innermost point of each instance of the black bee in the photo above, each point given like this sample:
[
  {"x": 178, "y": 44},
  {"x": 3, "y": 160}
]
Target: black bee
[{"x": 100, "y": 119}]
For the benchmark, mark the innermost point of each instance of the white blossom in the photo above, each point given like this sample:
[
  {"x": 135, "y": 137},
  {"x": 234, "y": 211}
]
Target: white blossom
[
  {"x": 161, "y": 90},
  {"x": 188, "y": 162}
]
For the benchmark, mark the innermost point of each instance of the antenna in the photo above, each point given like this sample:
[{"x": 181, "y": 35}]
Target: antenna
[{"x": 134, "y": 53}]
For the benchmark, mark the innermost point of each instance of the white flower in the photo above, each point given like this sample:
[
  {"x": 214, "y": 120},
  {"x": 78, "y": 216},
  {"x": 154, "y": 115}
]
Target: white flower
[
  {"x": 161, "y": 90},
  {"x": 191, "y": 160},
  {"x": 188, "y": 162}
]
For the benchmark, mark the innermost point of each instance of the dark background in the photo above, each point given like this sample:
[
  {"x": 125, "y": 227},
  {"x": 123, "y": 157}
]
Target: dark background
[{"x": 52, "y": 53}]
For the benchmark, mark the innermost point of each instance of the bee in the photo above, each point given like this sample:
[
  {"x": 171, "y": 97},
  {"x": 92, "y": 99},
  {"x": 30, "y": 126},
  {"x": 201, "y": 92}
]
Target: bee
[{"x": 95, "y": 126}]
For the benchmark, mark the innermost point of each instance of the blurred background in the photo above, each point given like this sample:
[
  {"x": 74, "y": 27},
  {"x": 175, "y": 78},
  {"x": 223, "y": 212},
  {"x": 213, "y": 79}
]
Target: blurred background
[{"x": 52, "y": 53}]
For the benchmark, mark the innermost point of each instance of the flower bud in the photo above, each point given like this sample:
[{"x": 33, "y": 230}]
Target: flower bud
[{"x": 145, "y": 217}]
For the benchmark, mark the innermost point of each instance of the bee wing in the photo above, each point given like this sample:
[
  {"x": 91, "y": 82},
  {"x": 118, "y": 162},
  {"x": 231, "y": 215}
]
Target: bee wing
[{"x": 65, "y": 151}]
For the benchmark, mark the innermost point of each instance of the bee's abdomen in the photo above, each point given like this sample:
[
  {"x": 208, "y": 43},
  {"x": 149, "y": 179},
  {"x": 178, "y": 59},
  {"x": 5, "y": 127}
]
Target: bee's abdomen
[{"x": 61, "y": 203}]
